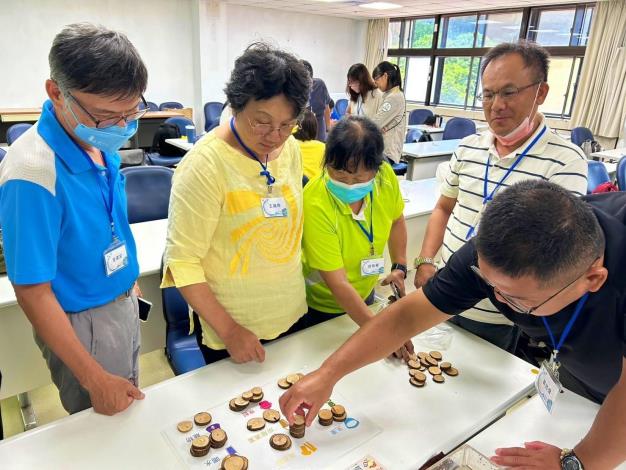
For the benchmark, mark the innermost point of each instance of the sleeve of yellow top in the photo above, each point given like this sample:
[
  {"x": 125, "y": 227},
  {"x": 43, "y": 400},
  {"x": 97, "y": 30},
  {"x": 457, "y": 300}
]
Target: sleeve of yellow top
[
  {"x": 195, "y": 205},
  {"x": 450, "y": 185},
  {"x": 320, "y": 241}
]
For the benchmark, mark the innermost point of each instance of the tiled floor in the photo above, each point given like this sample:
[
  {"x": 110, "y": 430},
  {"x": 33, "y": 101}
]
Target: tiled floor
[{"x": 153, "y": 368}]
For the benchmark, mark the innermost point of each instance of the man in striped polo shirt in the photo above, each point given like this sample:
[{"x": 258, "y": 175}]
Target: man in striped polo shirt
[{"x": 518, "y": 145}]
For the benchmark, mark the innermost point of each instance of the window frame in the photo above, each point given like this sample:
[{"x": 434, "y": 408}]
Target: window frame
[{"x": 575, "y": 52}]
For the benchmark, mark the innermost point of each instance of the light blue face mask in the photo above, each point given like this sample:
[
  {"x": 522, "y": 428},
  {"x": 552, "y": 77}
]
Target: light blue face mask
[
  {"x": 349, "y": 193},
  {"x": 108, "y": 140}
]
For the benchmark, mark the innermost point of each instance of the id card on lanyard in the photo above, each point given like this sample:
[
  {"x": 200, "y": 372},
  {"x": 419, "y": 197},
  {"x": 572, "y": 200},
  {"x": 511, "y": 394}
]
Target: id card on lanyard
[
  {"x": 488, "y": 196},
  {"x": 115, "y": 254},
  {"x": 548, "y": 384},
  {"x": 373, "y": 265}
]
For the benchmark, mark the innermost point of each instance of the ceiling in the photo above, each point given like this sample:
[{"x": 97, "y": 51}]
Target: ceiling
[{"x": 351, "y": 8}]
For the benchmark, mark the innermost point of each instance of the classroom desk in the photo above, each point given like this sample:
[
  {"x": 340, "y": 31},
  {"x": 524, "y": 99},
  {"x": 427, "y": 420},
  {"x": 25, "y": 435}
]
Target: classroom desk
[
  {"x": 424, "y": 157},
  {"x": 22, "y": 366},
  {"x": 565, "y": 427},
  {"x": 609, "y": 155},
  {"x": 436, "y": 133},
  {"x": 415, "y": 423},
  {"x": 180, "y": 143}
]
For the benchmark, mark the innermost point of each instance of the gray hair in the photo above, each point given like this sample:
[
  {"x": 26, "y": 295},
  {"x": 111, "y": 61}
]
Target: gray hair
[
  {"x": 93, "y": 59},
  {"x": 534, "y": 56}
]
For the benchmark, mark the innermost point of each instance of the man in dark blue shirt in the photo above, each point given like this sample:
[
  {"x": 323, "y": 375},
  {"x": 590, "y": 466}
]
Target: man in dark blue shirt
[{"x": 319, "y": 102}]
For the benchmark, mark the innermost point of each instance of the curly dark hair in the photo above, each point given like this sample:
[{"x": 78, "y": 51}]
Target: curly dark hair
[{"x": 263, "y": 72}]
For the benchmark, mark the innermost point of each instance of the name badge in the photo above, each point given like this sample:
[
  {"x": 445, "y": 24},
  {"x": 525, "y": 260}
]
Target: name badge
[
  {"x": 274, "y": 207},
  {"x": 548, "y": 386},
  {"x": 372, "y": 266},
  {"x": 115, "y": 257}
]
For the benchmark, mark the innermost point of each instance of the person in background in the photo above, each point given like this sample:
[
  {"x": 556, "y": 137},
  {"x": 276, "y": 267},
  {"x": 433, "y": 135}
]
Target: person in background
[
  {"x": 312, "y": 150},
  {"x": 350, "y": 214},
  {"x": 71, "y": 256},
  {"x": 391, "y": 114},
  {"x": 364, "y": 95},
  {"x": 235, "y": 224},
  {"x": 519, "y": 145},
  {"x": 319, "y": 101}
]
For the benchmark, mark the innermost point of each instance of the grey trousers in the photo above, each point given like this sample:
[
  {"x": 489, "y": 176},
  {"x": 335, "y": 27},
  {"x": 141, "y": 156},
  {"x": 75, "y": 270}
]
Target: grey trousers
[{"x": 111, "y": 335}]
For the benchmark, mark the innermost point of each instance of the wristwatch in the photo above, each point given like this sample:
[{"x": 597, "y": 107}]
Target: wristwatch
[
  {"x": 401, "y": 267},
  {"x": 423, "y": 260},
  {"x": 569, "y": 461}
]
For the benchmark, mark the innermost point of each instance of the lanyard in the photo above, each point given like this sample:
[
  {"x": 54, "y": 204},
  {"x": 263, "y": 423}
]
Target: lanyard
[
  {"x": 108, "y": 199},
  {"x": 557, "y": 346},
  {"x": 370, "y": 234},
  {"x": 359, "y": 106},
  {"x": 264, "y": 172}
]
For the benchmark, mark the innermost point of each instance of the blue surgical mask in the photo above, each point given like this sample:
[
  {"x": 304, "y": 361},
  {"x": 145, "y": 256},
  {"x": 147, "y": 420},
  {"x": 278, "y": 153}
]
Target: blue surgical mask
[
  {"x": 349, "y": 193},
  {"x": 108, "y": 140}
]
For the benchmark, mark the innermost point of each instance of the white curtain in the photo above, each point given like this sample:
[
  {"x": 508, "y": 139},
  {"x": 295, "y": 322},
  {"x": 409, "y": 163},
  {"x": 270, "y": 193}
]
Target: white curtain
[
  {"x": 376, "y": 47},
  {"x": 601, "y": 96}
]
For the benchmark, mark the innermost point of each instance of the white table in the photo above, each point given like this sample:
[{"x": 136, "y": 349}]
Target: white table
[
  {"x": 22, "y": 366},
  {"x": 610, "y": 155},
  {"x": 565, "y": 427},
  {"x": 424, "y": 157},
  {"x": 416, "y": 423},
  {"x": 436, "y": 133},
  {"x": 180, "y": 143}
]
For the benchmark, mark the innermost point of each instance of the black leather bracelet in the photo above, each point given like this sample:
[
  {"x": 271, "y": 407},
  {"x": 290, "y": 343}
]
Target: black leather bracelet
[{"x": 401, "y": 267}]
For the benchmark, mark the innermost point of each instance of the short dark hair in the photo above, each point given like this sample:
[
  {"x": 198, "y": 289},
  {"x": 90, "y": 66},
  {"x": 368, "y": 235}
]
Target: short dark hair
[
  {"x": 539, "y": 229},
  {"x": 263, "y": 72},
  {"x": 93, "y": 59},
  {"x": 308, "y": 66},
  {"x": 354, "y": 141},
  {"x": 534, "y": 56},
  {"x": 359, "y": 73},
  {"x": 393, "y": 73},
  {"x": 308, "y": 127}
]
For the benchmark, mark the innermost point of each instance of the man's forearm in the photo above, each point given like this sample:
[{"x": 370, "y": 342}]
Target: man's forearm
[{"x": 397, "y": 241}]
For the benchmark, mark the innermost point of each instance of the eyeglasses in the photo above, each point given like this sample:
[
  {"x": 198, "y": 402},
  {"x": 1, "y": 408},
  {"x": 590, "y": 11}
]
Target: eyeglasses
[
  {"x": 513, "y": 303},
  {"x": 285, "y": 130},
  {"x": 506, "y": 93},
  {"x": 112, "y": 121}
]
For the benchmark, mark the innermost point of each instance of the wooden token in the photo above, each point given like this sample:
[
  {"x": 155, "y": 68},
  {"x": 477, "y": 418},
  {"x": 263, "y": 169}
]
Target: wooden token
[
  {"x": 445, "y": 365},
  {"x": 424, "y": 364},
  {"x": 256, "y": 424},
  {"x": 338, "y": 410},
  {"x": 419, "y": 376},
  {"x": 240, "y": 402},
  {"x": 298, "y": 421},
  {"x": 434, "y": 371},
  {"x": 430, "y": 361},
  {"x": 184, "y": 426},
  {"x": 202, "y": 419},
  {"x": 199, "y": 452},
  {"x": 439, "y": 379},
  {"x": 292, "y": 379},
  {"x": 282, "y": 383},
  {"x": 413, "y": 364},
  {"x": 257, "y": 391},
  {"x": 271, "y": 416},
  {"x": 452, "y": 372},
  {"x": 218, "y": 438},
  {"x": 436, "y": 355},
  {"x": 280, "y": 441},
  {"x": 340, "y": 418},
  {"x": 247, "y": 395},
  {"x": 201, "y": 442},
  {"x": 234, "y": 462},
  {"x": 416, "y": 383},
  {"x": 422, "y": 355},
  {"x": 325, "y": 414}
]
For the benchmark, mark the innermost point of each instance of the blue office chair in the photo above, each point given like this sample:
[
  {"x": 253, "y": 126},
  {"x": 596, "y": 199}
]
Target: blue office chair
[
  {"x": 151, "y": 106},
  {"x": 180, "y": 122},
  {"x": 147, "y": 192},
  {"x": 419, "y": 116},
  {"x": 212, "y": 113},
  {"x": 170, "y": 105},
  {"x": 457, "y": 128},
  {"x": 181, "y": 348},
  {"x": 16, "y": 130},
  {"x": 412, "y": 135},
  {"x": 596, "y": 175},
  {"x": 2, "y": 154},
  {"x": 621, "y": 173},
  {"x": 341, "y": 106},
  {"x": 580, "y": 135}
]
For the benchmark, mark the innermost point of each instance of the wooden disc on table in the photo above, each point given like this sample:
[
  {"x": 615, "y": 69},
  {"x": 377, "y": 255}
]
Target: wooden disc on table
[
  {"x": 184, "y": 426},
  {"x": 292, "y": 379},
  {"x": 416, "y": 383},
  {"x": 201, "y": 442},
  {"x": 280, "y": 441},
  {"x": 325, "y": 417},
  {"x": 422, "y": 355},
  {"x": 436, "y": 355},
  {"x": 282, "y": 383},
  {"x": 234, "y": 462},
  {"x": 434, "y": 371},
  {"x": 218, "y": 438},
  {"x": 452, "y": 372},
  {"x": 338, "y": 410},
  {"x": 199, "y": 452},
  {"x": 255, "y": 424},
  {"x": 413, "y": 364},
  {"x": 298, "y": 421},
  {"x": 271, "y": 416},
  {"x": 202, "y": 419},
  {"x": 445, "y": 365},
  {"x": 430, "y": 361},
  {"x": 257, "y": 391},
  {"x": 419, "y": 376},
  {"x": 425, "y": 364},
  {"x": 439, "y": 379},
  {"x": 247, "y": 395},
  {"x": 240, "y": 402}
]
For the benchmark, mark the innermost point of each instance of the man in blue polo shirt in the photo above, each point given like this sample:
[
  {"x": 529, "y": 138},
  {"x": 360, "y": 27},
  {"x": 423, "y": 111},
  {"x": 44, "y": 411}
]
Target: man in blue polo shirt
[{"x": 69, "y": 251}]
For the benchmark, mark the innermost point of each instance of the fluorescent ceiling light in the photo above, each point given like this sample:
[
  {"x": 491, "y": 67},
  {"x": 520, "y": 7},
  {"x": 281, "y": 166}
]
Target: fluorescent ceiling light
[{"x": 380, "y": 5}]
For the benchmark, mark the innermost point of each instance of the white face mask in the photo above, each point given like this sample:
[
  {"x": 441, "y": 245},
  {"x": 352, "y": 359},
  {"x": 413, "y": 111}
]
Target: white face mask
[{"x": 520, "y": 132}]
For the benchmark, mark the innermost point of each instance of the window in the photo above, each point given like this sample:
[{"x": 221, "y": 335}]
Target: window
[{"x": 440, "y": 57}]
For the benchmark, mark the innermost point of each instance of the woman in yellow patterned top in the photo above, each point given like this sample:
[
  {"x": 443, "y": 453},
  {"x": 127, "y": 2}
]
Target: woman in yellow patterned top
[{"x": 235, "y": 220}]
